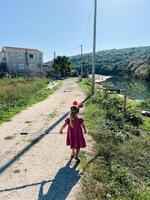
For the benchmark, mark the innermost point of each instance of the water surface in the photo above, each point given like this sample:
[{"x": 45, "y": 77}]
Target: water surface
[{"x": 137, "y": 89}]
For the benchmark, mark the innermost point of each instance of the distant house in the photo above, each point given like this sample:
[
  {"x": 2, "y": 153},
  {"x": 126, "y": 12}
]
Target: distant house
[
  {"x": 50, "y": 71},
  {"x": 76, "y": 71},
  {"x": 21, "y": 61}
]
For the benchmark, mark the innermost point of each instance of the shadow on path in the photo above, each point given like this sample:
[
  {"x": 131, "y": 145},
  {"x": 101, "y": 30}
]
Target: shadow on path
[
  {"x": 64, "y": 181},
  {"x": 23, "y": 186},
  {"x": 36, "y": 140}
]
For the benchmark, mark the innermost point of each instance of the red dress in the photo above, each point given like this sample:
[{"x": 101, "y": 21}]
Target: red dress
[{"x": 75, "y": 137}]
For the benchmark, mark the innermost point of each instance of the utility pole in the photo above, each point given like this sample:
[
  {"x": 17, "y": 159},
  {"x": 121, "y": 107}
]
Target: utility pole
[
  {"x": 27, "y": 63},
  {"x": 81, "y": 73},
  {"x": 54, "y": 55},
  {"x": 94, "y": 47},
  {"x": 125, "y": 103}
]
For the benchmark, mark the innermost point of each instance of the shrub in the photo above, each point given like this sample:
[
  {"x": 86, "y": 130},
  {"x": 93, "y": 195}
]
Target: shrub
[
  {"x": 145, "y": 104},
  {"x": 133, "y": 117}
]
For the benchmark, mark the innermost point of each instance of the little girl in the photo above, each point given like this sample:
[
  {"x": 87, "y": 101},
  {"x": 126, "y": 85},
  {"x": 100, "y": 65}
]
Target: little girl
[{"x": 75, "y": 130}]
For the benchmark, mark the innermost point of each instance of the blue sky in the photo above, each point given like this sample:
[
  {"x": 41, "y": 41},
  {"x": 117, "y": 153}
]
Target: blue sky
[{"x": 61, "y": 25}]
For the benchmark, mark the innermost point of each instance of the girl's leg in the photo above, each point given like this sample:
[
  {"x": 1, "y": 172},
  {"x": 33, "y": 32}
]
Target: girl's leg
[
  {"x": 73, "y": 153},
  {"x": 77, "y": 153}
]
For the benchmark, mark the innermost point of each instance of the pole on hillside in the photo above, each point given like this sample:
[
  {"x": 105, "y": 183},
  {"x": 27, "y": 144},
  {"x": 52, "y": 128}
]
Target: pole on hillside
[
  {"x": 81, "y": 72},
  {"x": 54, "y": 55},
  {"x": 94, "y": 47},
  {"x": 125, "y": 103}
]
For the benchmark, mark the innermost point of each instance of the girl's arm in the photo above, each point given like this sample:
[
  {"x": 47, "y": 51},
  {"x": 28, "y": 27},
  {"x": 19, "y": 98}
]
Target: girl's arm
[
  {"x": 62, "y": 128},
  {"x": 84, "y": 128}
]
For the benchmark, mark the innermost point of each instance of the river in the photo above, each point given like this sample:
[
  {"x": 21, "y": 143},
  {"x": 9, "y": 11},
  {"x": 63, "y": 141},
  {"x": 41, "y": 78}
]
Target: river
[{"x": 137, "y": 89}]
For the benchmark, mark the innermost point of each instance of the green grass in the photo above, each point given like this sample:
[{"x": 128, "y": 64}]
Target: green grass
[
  {"x": 146, "y": 124},
  {"x": 85, "y": 85},
  {"x": 17, "y": 94},
  {"x": 119, "y": 167},
  {"x": 142, "y": 106},
  {"x": 9, "y": 137},
  {"x": 16, "y": 171},
  {"x": 52, "y": 115}
]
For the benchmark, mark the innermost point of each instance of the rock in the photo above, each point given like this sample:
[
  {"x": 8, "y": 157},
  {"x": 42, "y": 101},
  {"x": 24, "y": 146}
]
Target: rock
[{"x": 146, "y": 113}]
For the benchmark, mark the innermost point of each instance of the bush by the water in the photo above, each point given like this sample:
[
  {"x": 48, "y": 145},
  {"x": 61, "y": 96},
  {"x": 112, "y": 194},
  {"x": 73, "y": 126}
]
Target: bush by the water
[{"x": 119, "y": 168}]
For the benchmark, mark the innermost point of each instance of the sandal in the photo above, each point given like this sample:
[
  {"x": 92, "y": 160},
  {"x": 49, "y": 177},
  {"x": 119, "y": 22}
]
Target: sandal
[
  {"x": 72, "y": 156},
  {"x": 77, "y": 158}
]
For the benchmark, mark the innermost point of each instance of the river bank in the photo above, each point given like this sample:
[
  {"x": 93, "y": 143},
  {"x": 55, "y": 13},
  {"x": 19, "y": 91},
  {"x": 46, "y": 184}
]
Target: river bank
[
  {"x": 118, "y": 168},
  {"x": 100, "y": 78}
]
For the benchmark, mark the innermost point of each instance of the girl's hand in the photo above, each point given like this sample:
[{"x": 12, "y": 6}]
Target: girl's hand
[
  {"x": 62, "y": 128},
  {"x": 84, "y": 129}
]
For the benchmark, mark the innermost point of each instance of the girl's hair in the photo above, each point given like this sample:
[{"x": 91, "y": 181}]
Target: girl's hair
[{"x": 74, "y": 111}]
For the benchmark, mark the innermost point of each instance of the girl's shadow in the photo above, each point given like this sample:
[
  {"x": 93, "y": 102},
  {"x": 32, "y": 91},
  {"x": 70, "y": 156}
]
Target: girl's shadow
[{"x": 62, "y": 184}]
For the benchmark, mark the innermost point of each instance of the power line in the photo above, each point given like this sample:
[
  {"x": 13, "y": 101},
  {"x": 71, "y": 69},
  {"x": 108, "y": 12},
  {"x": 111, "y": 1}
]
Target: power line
[{"x": 87, "y": 26}]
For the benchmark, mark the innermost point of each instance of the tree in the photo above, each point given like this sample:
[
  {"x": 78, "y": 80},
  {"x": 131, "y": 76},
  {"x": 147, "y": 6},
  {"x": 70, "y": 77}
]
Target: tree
[
  {"x": 62, "y": 65},
  {"x": 148, "y": 60},
  {"x": 119, "y": 62}
]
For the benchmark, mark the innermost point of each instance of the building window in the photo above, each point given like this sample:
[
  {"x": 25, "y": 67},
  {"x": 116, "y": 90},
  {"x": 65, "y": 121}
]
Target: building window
[
  {"x": 31, "y": 66},
  {"x": 31, "y": 55},
  {"x": 21, "y": 66},
  {"x": 20, "y": 55},
  {"x": 3, "y": 59}
]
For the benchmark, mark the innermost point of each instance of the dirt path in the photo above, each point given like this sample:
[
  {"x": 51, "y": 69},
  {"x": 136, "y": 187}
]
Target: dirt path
[{"x": 39, "y": 170}]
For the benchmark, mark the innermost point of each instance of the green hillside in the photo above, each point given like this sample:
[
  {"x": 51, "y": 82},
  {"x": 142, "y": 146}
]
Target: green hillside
[{"x": 128, "y": 61}]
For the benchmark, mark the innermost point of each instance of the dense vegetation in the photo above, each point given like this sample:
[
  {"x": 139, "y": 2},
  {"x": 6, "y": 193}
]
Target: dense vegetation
[
  {"x": 129, "y": 61},
  {"x": 119, "y": 166},
  {"x": 16, "y": 94},
  {"x": 60, "y": 65}
]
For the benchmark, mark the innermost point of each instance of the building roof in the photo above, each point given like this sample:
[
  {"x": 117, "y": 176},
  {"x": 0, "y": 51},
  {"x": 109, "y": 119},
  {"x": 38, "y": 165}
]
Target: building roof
[
  {"x": 23, "y": 50},
  {"x": 49, "y": 63}
]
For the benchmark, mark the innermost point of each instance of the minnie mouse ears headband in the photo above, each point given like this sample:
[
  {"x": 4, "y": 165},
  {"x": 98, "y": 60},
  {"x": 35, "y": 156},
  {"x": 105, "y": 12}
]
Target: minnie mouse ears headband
[{"x": 79, "y": 105}]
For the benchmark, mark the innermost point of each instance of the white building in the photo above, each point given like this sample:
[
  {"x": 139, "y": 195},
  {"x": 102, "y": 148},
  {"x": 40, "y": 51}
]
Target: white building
[{"x": 21, "y": 61}]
